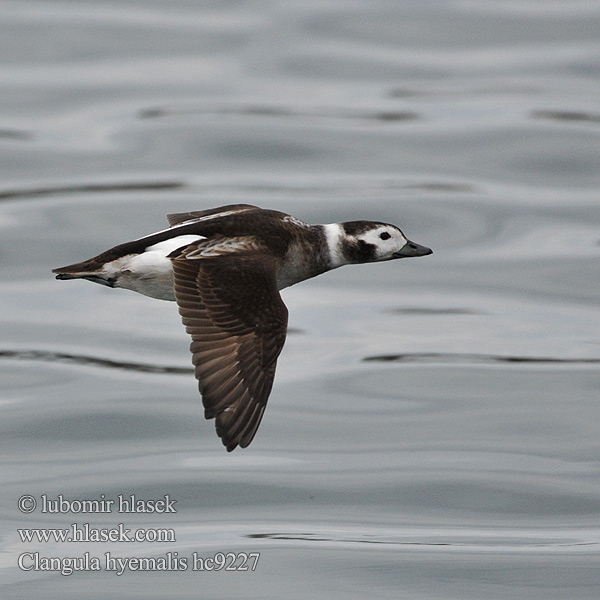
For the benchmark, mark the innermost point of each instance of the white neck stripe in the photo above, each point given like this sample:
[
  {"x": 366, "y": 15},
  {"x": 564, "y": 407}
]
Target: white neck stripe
[{"x": 333, "y": 236}]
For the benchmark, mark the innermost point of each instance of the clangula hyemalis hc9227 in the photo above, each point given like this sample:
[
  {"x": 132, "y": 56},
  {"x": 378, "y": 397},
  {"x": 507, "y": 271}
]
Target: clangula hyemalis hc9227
[{"x": 224, "y": 267}]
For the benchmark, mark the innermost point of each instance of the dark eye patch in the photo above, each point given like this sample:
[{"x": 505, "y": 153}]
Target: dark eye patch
[{"x": 385, "y": 235}]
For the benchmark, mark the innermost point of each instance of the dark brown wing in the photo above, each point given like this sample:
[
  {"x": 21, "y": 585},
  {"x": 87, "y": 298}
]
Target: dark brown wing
[
  {"x": 177, "y": 218},
  {"x": 232, "y": 308}
]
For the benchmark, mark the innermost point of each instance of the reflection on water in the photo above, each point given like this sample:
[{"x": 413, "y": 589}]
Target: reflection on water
[{"x": 433, "y": 433}]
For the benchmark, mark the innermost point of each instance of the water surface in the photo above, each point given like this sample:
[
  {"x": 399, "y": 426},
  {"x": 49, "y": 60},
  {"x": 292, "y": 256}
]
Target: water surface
[{"x": 433, "y": 430}]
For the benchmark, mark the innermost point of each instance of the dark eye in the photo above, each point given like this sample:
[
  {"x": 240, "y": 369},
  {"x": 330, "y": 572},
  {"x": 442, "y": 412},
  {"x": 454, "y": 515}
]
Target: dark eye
[{"x": 385, "y": 235}]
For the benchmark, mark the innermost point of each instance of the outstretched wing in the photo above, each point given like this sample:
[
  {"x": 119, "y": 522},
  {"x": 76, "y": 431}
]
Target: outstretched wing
[{"x": 231, "y": 306}]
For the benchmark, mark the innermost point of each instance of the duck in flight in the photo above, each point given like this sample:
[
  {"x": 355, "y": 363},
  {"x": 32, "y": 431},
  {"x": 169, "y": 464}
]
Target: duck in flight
[{"x": 224, "y": 267}]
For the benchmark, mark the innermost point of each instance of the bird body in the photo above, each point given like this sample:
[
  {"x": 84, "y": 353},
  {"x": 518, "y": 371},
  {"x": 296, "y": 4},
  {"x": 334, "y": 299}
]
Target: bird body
[{"x": 224, "y": 267}]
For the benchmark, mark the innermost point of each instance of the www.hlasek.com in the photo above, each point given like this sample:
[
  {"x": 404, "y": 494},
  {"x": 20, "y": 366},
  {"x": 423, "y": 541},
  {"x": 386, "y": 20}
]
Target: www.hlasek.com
[{"x": 86, "y": 533}]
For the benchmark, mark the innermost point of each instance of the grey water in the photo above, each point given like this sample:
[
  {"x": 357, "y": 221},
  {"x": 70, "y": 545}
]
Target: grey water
[{"x": 434, "y": 428}]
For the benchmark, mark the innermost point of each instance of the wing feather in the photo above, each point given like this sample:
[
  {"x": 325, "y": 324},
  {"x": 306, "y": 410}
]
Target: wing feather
[
  {"x": 231, "y": 307},
  {"x": 211, "y": 213}
]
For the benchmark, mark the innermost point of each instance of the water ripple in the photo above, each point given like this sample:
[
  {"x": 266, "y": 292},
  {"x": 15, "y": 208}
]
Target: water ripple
[
  {"x": 479, "y": 358},
  {"x": 15, "y": 134},
  {"x": 264, "y": 110},
  {"x": 79, "y": 359},
  {"x": 566, "y": 115},
  {"x": 420, "y": 357},
  {"x": 124, "y": 186},
  {"x": 511, "y": 541}
]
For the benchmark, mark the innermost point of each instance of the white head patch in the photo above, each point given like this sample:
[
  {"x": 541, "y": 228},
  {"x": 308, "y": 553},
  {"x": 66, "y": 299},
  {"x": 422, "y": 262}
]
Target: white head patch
[{"x": 387, "y": 240}]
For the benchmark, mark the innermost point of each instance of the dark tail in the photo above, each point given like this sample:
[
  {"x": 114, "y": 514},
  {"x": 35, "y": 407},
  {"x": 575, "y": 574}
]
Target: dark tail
[{"x": 85, "y": 270}]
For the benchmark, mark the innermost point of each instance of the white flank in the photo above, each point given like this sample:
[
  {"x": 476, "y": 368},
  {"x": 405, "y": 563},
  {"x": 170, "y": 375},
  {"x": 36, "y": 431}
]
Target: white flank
[
  {"x": 151, "y": 272},
  {"x": 154, "y": 262},
  {"x": 167, "y": 246},
  {"x": 334, "y": 235}
]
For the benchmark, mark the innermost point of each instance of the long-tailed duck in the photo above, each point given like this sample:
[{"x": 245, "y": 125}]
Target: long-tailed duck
[{"x": 224, "y": 267}]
